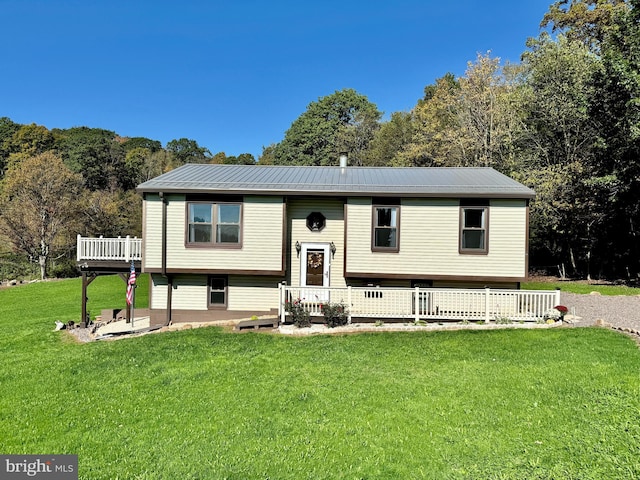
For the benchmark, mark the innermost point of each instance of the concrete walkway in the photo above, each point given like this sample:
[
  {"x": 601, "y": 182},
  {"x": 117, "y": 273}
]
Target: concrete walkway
[{"x": 122, "y": 327}]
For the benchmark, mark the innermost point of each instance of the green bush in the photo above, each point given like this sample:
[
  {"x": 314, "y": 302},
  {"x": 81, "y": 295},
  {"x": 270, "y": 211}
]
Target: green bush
[
  {"x": 297, "y": 313},
  {"x": 335, "y": 314},
  {"x": 14, "y": 266},
  {"x": 63, "y": 268}
]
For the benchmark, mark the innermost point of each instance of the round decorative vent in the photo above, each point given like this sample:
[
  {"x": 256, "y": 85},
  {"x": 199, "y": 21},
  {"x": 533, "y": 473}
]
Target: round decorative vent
[{"x": 316, "y": 221}]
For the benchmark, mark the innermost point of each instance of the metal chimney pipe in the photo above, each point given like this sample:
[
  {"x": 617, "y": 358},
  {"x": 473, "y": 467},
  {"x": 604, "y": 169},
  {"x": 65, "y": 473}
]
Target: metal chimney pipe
[{"x": 343, "y": 163}]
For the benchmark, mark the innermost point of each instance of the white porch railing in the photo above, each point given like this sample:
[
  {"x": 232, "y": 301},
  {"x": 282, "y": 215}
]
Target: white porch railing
[
  {"x": 125, "y": 249},
  {"x": 426, "y": 303}
]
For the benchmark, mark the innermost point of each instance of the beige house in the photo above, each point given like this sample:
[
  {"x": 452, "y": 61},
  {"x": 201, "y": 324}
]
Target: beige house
[{"x": 219, "y": 239}]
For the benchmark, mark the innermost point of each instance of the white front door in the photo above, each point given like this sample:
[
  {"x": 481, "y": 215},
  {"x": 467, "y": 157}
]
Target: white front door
[{"x": 315, "y": 261}]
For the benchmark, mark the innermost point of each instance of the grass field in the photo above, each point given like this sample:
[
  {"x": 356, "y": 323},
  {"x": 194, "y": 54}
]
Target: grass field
[
  {"x": 582, "y": 287},
  {"x": 206, "y": 404}
]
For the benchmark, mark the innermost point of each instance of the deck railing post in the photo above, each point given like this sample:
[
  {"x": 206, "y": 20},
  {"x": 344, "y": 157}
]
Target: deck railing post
[
  {"x": 349, "y": 304},
  {"x": 557, "y": 297},
  {"x": 283, "y": 296},
  {"x": 127, "y": 249},
  {"x": 416, "y": 304},
  {"x": 78, "y": 248},
  {"x": 487, "y": 291}
]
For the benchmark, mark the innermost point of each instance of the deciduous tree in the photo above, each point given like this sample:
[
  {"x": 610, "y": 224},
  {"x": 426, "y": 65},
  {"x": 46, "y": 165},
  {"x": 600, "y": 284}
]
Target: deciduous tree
[
  {"x": 390, "y": 140},
  {"x": 95, "y": 154},
  {"x": 344, "y": 120},
  {"x": 39, "y": 206},
  {"x": 185, "y": 150},
  {"x": 586, "y": 21}
]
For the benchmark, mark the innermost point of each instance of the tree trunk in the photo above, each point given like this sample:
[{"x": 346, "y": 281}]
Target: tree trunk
[{"x": 42, "y": 260}]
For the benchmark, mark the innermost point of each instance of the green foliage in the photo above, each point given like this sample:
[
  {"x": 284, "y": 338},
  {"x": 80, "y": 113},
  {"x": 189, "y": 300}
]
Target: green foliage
[
  {"x": 27, "y": 141},
  {"x": 586, "y": 21},
  {"x": 342, "y": 121},
  {"x": 414, "y": 405},
  {"x": 298, "y": 314},
  {"x": 16, "y": 266},
  {"x": 95, "y": 153},
  {"x": 242, "y": 159},
  {"x": 389, "y": 140},
  {"x": 335, "y": 314},
  {"x": 185, "y": 150},
  {"x": 111, "y": 214},
  {"x": 141, "y": 142},
  {"x": 7, "y": 129},
  {"x": 268, "y": 155},
  {"x": 39, "y": 202},
  {"x": 503, "y": 321},
  {"x": 63, "y": 268}
]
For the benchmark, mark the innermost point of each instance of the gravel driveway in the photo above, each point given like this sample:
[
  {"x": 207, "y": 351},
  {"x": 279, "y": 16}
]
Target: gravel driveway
[{"x": 621, "y": 311}]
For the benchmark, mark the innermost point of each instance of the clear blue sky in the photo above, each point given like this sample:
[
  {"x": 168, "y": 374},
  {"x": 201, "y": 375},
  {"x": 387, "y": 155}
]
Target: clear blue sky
[{"x": 233, "y": 75}]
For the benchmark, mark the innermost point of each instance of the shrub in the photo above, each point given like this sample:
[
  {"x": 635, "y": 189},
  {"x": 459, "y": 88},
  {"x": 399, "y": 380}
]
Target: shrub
[
  {"x": 335, "y": 314},
  {"x": 503, "y": 320},
  {"x": 297, "y": 313}
]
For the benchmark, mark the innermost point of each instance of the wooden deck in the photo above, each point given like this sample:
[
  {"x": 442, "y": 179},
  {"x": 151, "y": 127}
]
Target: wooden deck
[{"x": 97, "y": 256}]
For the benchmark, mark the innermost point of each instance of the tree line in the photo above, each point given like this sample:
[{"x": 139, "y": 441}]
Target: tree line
[{"x": 565, "y": 121}]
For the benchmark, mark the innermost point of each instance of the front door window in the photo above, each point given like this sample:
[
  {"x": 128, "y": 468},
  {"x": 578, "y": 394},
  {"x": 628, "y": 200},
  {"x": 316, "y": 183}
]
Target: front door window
[
  {"x": 315, "y": 260},
  {"x": 315, "y": 267}
]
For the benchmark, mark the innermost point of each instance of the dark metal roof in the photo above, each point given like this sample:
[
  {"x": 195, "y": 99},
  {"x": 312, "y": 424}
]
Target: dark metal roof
[{"x": 353, "y": 181}]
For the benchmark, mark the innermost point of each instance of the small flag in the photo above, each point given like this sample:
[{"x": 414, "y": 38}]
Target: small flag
[{"x": 131, "y": 284}]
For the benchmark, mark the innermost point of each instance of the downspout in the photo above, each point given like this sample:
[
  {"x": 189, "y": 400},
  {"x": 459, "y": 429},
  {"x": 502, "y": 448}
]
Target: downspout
[{"x": 163, "y": 269}]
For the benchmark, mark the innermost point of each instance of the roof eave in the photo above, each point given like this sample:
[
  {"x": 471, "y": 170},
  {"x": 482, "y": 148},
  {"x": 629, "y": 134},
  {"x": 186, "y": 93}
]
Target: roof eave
[{"x": 343, "y": 193}]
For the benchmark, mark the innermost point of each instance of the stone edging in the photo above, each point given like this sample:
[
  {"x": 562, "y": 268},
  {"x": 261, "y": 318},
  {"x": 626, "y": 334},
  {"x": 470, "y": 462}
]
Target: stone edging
[{"x": 320, "y": 329}]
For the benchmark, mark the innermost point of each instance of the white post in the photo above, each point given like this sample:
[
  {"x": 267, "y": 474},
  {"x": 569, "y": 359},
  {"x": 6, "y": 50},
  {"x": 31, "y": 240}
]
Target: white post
[
  {"x": 487, "y": 291},
  {"x": 282, "y": 295},
  {"x": 416, "y": 303},
  {"x": 127, "y": 249},
  {"x": 349, "y": 304},
  {"x": 557, "y": 297},
  {"x": 78, "y": 247}
]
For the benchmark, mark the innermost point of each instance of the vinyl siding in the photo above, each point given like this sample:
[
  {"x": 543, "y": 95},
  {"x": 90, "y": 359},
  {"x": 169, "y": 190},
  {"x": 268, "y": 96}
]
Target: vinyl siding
[
  {"x": 262, "y": 237},
  {"x": 190, "y": 292},
  {"x": 253, "y": 293},
  {"x": 333, "y": 210},
  {"x": 152, "y": 234},
  {"x": 429, "y": 237}
]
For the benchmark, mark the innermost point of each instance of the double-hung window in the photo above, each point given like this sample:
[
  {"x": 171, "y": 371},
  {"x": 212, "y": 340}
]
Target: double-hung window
[
  {"x": 386, "y": 228},
  {"x": 474, "y": 228},
  {"x": 214, "y": 224},
  {"x": 217, "y": 291}
]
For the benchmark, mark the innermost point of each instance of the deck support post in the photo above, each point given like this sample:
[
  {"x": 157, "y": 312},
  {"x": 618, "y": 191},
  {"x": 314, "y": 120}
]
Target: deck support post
[{"x": 86, "y": 280}]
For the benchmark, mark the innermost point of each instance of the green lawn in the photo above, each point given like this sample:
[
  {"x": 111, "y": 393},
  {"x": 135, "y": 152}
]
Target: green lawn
[
  {"x": 581, "y": 287},
  {"x": 206, "y": 404}
]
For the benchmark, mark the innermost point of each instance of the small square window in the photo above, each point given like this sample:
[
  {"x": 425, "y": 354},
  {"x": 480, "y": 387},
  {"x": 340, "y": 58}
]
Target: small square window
[{"x": 217, "y": 292}]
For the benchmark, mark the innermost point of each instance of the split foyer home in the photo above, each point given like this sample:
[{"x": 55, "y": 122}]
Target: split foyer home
[{"x": 219, "y": 240}]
